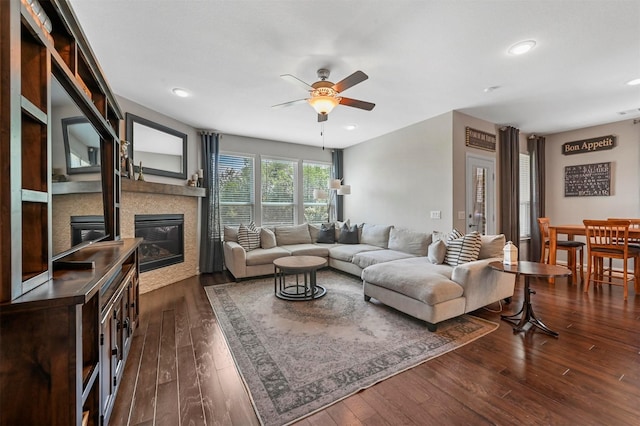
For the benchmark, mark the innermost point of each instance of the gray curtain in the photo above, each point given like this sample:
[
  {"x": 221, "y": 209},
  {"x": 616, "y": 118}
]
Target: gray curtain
[
  {"x": 211, "y": 256},
  {"x": 509, "y": 193},
  {"x": 535, "y": 146},
  {"x": 336, "y": 159}
]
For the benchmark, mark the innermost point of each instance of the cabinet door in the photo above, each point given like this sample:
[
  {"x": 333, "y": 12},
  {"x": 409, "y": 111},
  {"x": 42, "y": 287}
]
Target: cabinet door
[
  {"x": 134, "y": 300},
  {"x": 119, "y": 312},
  {"x": 112, "y": 352},
  {"x": 127, "y": 325},
  {"x": 107, "y": 370}
]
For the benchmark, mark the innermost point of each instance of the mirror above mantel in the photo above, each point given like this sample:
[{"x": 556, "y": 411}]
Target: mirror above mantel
[
  {"x": 161, "y": 150},
  {"x": 81, "y": 145}
]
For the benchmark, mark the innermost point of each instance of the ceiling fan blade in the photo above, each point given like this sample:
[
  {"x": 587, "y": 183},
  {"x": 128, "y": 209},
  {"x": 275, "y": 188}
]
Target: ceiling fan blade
[
  {"x": 290, "y": 103},
  {"x": 295, "y": 80},
  {"x": 357, "y": 104},
  {"x": 322, "y": 117},
  {"x": 352, "y": 80}
]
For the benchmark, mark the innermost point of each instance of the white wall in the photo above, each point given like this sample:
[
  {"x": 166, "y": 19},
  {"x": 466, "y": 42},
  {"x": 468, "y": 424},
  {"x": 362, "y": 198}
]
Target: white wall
[
  {"x": 247, "y": 145},
  {"x": 400, "y": 177},
  {"x": 624, "y": 200}
]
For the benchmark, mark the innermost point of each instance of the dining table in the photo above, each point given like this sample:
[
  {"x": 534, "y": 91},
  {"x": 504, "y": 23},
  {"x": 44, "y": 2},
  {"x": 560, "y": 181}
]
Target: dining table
[{"x": 571, "y": 231}]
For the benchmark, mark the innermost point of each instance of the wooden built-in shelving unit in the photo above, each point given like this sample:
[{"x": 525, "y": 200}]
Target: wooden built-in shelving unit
[{"x": 65, "y": 321}]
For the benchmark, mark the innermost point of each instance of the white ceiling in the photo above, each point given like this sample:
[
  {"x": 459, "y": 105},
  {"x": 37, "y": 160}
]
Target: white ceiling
[{"x": 423, "y": 58}]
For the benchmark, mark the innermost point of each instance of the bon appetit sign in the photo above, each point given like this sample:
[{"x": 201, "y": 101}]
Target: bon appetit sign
[{"x": 589, "y": 145}]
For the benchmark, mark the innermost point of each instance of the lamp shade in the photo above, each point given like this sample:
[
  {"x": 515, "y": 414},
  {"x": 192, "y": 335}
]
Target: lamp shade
[
  {"x": 344, "y": 190},
  {"x": 335, "y": 183},
  {"x": 323, "y": 104}
]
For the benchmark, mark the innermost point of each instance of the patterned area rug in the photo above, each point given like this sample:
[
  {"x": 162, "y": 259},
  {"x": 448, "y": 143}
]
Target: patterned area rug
[{"x": 299, "y": 357}]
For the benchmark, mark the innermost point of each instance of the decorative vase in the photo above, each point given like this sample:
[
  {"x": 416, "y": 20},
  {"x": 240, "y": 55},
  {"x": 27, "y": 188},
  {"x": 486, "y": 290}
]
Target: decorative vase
[{"x": 140, "y": 174}]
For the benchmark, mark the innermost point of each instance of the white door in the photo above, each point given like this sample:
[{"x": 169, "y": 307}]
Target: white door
[{"x": 480, "y": 193}]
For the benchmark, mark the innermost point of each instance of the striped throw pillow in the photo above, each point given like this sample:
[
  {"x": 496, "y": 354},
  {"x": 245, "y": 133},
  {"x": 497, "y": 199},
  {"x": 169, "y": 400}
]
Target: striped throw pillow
[
  {"x": 453, "y": 235},
  {"x": 464, "y": 249},
  {"x": 249, "y": 236}
]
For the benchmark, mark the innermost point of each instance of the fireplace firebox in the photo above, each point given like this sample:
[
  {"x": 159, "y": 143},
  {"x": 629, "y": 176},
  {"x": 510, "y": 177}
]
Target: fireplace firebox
[
  {"x": 86, "y": 228},
  {"x": 163, "y": 240}
]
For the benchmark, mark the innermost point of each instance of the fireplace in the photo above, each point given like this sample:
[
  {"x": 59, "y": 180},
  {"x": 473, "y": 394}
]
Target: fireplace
[
  {"x": 86, "y": 228},
  {"x": 163, "y": 240}
]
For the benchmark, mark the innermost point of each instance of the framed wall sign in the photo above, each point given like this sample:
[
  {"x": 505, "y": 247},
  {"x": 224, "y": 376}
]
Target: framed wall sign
[
  {"x": 587, "y": 180},
  {"x": 589, "y": 145},
  {"x": 479, "y": 139}
]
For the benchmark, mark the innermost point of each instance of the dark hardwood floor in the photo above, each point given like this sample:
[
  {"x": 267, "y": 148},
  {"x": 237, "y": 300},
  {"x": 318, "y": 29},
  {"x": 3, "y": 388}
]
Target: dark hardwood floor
[{"x": 180, "y": 371}]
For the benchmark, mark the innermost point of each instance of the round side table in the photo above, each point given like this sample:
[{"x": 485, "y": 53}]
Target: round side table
[
  {"x": 308, "y": 289},
  {"x": 529, "y": 269}
]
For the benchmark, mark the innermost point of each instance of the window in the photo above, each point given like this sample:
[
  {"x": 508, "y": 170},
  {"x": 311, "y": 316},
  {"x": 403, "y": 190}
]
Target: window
[
  {"x": 315, "y": 183},
  {"x": 236, "y": 177},
  {"x": 278, "y": 192},
  {"x": 525, "y": 197}
]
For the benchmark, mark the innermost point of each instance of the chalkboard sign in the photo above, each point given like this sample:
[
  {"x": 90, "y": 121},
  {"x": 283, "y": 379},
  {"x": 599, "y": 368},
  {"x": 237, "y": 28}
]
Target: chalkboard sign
[{"x": 587, "y": 180}]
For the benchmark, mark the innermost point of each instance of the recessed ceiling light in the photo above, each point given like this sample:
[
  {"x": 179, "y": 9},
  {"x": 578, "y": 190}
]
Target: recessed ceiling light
[
  {"x": 522, "y": 47},
  {"x": 351, "y": 126},
  {"x": 491, "y": 89},
  {"x": 634, "y": 82},
  {"x": 180, "y": 92}
]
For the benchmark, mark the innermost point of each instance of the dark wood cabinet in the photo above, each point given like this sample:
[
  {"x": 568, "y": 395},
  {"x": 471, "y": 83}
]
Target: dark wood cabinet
[
  {"x": 64, "y": 343},
  {"x": 66, "y": 319}
]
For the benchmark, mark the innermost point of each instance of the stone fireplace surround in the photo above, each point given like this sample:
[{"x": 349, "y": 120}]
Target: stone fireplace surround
[{"x": 84, "y": 198}]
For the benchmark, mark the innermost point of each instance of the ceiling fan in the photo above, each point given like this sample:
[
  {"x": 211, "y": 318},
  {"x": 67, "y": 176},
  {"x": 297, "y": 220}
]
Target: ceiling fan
[{"x": 324, "y": 94}]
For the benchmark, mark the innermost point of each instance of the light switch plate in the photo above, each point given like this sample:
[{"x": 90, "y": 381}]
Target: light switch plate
[{"x": 435, "y": 214}]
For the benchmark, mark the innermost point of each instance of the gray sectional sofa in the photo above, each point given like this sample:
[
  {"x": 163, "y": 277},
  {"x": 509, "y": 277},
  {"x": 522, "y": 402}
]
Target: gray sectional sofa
[{"x": 401, "y": 268}]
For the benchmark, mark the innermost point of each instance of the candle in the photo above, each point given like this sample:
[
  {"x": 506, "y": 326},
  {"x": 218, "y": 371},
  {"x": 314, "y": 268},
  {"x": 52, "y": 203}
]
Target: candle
[
  {"x": 200, "y": 173},
  {"x": 194, "y": 177}
]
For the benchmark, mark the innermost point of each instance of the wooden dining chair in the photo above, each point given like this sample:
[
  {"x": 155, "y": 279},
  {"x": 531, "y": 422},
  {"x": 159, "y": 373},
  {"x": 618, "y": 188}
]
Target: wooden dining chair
[
  {"x": 573, "y": 248},
  {"x": 634, "y": 242},
  {"x": 609, "y": 239},
  {"x": 634, "y": 223}
]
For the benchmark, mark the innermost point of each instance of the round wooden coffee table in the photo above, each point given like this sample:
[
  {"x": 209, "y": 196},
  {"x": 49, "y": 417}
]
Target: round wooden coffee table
[
  {"x": 305, "y": 265},
  {"x": 529, "y": 269}
]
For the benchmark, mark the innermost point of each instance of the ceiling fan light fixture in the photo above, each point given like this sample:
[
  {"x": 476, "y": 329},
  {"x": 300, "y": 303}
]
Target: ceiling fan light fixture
[{"x": 323, "y": 104}]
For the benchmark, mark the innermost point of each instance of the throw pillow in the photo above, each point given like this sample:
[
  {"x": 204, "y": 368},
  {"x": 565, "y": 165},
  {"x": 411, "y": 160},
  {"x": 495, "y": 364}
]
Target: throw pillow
[
  {"x": 437, "y": 252},
  {"x": 453, "y": 235},
  {"x": 231, "y": 233},
  {"x": 313, "y": 232},
  {"x": 438, "y": 235},
  {"x": 327, "y": 233},
  {"x": 348, "y": 234},
  {"x": 248, "y": 236},
  {"x": 408, "y": 241},
  {"x": 492, "y": 246},
  {"x": 267, "y": 238},
  {"x": 375, "y": 235},
  {"x": 339, "y": 225},
  {"x": 293, "y": 234},
  {"x": 445, "y": 236},
  {"x": 464, "y": 249}
]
